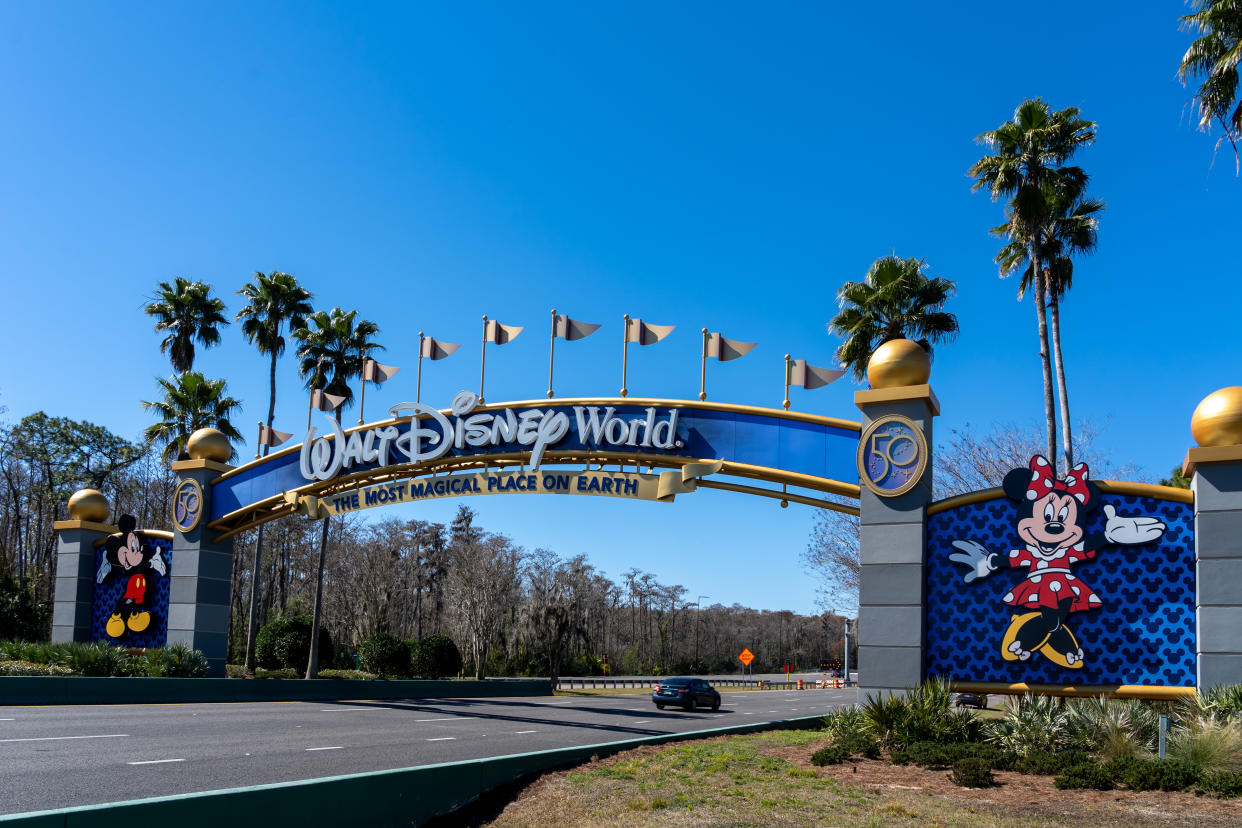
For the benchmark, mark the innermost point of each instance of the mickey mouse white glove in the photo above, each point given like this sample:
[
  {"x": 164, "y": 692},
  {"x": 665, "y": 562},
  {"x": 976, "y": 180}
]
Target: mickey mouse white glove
[
  {"x": 1130, "y": 530},
  {"x": 976, "y": 557},
  {"x": 104, "y": 569},
  {"x": 157, "y": 563}
]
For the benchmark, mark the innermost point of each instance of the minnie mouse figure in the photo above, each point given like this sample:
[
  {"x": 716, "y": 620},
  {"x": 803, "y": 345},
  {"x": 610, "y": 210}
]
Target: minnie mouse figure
[
  {"x": 129, "y": 553},
  {"x": 1051, "y": 526}
]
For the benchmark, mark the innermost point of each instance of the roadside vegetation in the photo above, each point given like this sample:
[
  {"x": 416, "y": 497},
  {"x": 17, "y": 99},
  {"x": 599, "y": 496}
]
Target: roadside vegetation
[
  {"x": 24, "y": 658},
  {"x": 918, "y": 760}
]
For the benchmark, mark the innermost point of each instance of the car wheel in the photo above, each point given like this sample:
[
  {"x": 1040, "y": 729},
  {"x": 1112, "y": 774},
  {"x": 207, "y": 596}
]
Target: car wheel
[
  {"x": 692, "y": 705},
  {"x": 659, "y": 705},
  {"x": 716, "y": 705}
]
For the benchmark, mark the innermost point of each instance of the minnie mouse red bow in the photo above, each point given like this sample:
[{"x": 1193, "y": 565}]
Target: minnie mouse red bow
[{"x": 1044, "y": 481}]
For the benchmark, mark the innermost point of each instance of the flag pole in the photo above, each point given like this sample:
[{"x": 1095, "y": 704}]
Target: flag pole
[
  {"x": 362, "y": 400},
  {"x": 259, "y": 444},
  {"x": 625, "y": 352},
  {"x": 786, "y": 403},
  {"x": 483, "y": 359},
  {"x": 703, "y": 372},
  {"x": 310, "y": 403},
  {"x": 418, "y": 386},
  {"x": 551, "y": 352}
]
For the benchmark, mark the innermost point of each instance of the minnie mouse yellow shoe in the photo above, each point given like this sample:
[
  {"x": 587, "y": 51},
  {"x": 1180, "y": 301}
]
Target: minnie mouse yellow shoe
[
  {"x": 1067, "y": 654},
  {"x": 115, "y": 627},
  {"x": 1011, "y": 649},
  {"x": 139, "y": 621}
]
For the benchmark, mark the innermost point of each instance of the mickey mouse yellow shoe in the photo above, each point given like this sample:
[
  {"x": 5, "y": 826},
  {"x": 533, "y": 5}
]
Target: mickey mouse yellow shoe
[
  {"x": 139, "y": 621},
  {"x": 115, "y": 627}
]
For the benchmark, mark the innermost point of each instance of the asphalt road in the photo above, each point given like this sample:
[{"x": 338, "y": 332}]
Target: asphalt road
[{"x": 54, "y": 757}]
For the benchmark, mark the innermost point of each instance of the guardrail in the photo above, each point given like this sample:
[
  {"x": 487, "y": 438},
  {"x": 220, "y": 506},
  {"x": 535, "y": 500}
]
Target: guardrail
[
  {"x": 406, "y": 796},
  {"x": 632, "y": 682}
]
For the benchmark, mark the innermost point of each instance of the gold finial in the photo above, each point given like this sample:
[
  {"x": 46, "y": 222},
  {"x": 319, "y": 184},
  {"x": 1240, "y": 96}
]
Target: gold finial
[
  {"x": 209, "y": 444},
  {"x": 89, "y": 504},
  {"x": 1217, "y": 420},
  {"x": 898, "y": 362}
]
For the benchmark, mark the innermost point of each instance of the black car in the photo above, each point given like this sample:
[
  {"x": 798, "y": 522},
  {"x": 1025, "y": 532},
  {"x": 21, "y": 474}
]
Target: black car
[
  {"x": 979, "y": 700},
  {"x": 690, "y": 693}
]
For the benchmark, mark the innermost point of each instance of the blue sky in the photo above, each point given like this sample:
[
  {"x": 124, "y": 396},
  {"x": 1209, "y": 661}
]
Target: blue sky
[{"x": 719, "y": 165}]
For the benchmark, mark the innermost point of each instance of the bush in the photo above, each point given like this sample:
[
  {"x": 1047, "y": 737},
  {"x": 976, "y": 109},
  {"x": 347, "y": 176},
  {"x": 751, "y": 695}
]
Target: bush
[
  {"x": 385, "y": 654},
  {"x": 845, "y": 722},
  {"x": 860, "y": 743},
  {"x": 1211, "y": 741},
  {"x": 939, "y": 756},
  {"x": 1154, "y": 774},
  {"x": 1047, "y": 763},
  {"x": 1032, "y": 723},
  {"x": 437, "y": 657},
  {"x": 285, "y": 643},
  {"x": 1222, "y": 783},
  {"x": 98, "y": 660},
  {"x": 831, "y": 755},
  {"x": 21, "y": 616},
  {"x": 972, "y": 773},
  {"x": 176, "y": 661},
  {"x": 347, "y": 674},
  {"x": 1112, "y": 728},
  {"x": 1084, "y": 776},
  {"x": 26, "y": 668}
]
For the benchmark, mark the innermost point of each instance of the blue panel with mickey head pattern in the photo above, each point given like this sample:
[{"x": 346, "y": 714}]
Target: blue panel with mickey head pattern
[{"x": 130, "y": 606}]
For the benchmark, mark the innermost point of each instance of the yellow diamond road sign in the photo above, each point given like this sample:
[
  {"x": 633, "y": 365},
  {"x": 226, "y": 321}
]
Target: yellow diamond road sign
[{"x": 746, "y": 656}]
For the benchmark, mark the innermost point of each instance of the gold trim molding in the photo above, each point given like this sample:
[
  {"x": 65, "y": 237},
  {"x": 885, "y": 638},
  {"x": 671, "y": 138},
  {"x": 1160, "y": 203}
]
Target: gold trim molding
[
  {"x": 1113, "y": 691},
  {"x": 1209, "y": 454},
  {"x": 901, "y": 393},
  {"x": 87, "y": 525},
  {"x": 195, "y": 465}
]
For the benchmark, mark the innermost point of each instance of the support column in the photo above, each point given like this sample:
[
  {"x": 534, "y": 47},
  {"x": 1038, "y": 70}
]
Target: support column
[
  {"x": 75, "y": 564},
  {"x": 893, "y": 505},
  {"x": 202, "y": 572},
  {"x": 1215, "y": 472}
]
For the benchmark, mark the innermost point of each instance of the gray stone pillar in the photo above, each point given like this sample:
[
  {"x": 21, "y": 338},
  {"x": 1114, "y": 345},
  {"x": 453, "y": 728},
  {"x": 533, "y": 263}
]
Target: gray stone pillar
[
  {"x": 1216, "y": 480},
  {"x": 75, "y": 577},
  {"x": 202, "y": 570},
  {"x": 892, "y": 546}
]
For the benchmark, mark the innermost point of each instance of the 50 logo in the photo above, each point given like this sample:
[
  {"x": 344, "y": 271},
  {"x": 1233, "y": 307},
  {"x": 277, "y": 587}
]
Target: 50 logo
[{"x": 892, "y": 455}]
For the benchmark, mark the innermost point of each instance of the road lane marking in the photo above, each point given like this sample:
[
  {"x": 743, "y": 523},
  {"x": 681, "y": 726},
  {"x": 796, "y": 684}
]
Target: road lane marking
[
  {"x": 60, "y": 738},
  {"x": 519, "y": 732},
  {"x": 643, "y": 721},
  {"x": 337, "y": 747},
  {"x": 443, "y": 739},
  {"x": 155, "y": 762},
  {"x": 448, "y": 719},
  {"x": 347, "y": 709}
]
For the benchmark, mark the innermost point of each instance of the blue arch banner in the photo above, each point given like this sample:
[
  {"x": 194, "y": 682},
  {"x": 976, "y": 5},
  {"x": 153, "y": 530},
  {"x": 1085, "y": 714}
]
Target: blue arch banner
[{"x": 819, "y": 447}]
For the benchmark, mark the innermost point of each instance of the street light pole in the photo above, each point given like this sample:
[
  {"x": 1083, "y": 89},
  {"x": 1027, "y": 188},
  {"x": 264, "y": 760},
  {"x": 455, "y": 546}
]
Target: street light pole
[{"x": 698, "y": 625}]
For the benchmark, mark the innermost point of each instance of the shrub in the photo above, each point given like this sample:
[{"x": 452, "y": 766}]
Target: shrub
[
  {"x": 1112, "y": 728},
  {"x": 26, "y": 668},
  {"x": 21, "y": 616},
  {"x": 438, "y": 657},
  {"x": 1225, "y": 700},
  {"x": 98, "y": 660},
  {"x": 1153, "y": 774},
  {"x": 861, "y": 743},
  {"x": 176, "y": 661},
  {"x": 285, "y": 643},
  {"x": 385, "y": 654},
  {"x": 938, "y": 755},
  {"x": 1084, "y": 776},
  {"x": 1047, "y": 763},
  {"x": 1221, "y": 783},
  {"x": 831, "y": 755},
  {"x": 845, "y": 722},
  {"x": 347, "y": 674},
  {"x": 972, "y": 773},
  {"x": 1212, "y": 742},
  {"x": 1032, "y": 723}
]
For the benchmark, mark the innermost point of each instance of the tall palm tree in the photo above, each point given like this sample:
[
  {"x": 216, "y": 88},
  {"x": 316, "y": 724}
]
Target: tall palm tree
[
  {"x": 896, "y": 300},
  {"x": 1216, "y": 55},
  {"x": 191, "y": 401},
  {"x": 273, "y": 300},
  {"x": 1028, "y": 164},
  {"x": 186, "y": 311},
  {"x": 332, "y": 350},
  {"x": 1070, "y": 228}
]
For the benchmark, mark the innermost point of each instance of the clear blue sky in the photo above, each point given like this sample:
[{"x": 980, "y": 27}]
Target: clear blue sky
[{"x": 714, "y": 164}]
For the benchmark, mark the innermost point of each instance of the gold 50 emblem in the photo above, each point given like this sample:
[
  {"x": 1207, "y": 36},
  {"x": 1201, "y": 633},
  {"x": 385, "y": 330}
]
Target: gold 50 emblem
[
  {"x": 892, "y": 455},
  {"x": 187, "y": 505}
]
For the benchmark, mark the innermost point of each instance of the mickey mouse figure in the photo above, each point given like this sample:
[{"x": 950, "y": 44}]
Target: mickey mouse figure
[
  {"x": 128, "y": 552},
  {"x": 1051, "y": 526}
]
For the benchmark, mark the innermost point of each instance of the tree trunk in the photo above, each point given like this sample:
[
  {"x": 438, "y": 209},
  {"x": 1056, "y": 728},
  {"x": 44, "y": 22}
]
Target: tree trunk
[
  {"x": 312, "y": 665},
  {"x": 1050, "y": 413},
  {"x": 1067, "y": 436},
  {"x": 252, "y": 624}
]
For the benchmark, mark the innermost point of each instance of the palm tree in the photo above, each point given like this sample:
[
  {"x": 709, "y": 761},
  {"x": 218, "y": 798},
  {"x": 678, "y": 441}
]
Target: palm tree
[
  {"x": 273, "y": 300},
  {"x": 896, "y": 300},
  {"x": 186, "y": 311},
  {"x": 332, "y": 350},
  {"x": 190, "y": 402},
  {"x": 1029, "y": 162},
  {"x": 1070, "y": 228},
  {"x": 1216, "y": 55}
]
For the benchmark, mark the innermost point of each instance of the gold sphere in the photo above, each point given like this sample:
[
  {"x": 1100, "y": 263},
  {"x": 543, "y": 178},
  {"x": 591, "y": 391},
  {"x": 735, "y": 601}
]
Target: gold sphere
[
  {"x": 88, "y": 504},
  {"x": 209, "y": 444},
  {"x": 898, "y": 362},
  {"x": 1217, "y": 420}
]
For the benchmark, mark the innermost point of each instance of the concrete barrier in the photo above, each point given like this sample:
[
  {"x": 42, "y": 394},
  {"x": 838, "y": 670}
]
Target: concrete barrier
[
  {"x": 407, "y": 796},
  {"x": 24, "y": 690}
]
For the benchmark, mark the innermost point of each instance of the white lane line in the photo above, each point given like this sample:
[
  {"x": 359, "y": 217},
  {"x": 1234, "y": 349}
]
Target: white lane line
[
  {"x": 348, "y": 709},
  {"x": 155, "y": 762},
  {"x": 60, "y": 738},
  {"x": 6, "y": 720},
  {"x": 520, "y": 732},
  {"x": 443, "y": 739},
  {"x": 448, "y": 719},
  {"x": 642, "y": 721},
  {"x": 336, "y": 747},
  {"x": 638, "y": 709}
]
